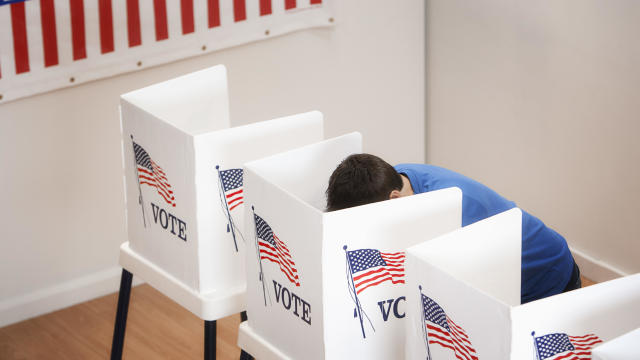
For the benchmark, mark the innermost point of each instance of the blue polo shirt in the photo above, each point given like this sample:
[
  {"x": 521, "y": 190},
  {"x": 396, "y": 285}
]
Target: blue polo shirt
[{"x": 547, "y": 262}]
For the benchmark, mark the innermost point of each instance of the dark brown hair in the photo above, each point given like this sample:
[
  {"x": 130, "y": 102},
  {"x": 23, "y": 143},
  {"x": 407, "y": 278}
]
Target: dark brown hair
[{"x": 361, "y": 179}]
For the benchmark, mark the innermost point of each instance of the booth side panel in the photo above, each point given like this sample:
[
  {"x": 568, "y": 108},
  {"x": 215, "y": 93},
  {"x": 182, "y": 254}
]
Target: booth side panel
[
  {"x": 284, "y": 273},
  {"x": 476, "y": 324},
  {"x": 463, "y": 285},
  {"x": 220, "y": 156},
  {"x": 585, "y": 317},
  {"x": 365, "y": 294},
  {"x": 159, "y": 178}
]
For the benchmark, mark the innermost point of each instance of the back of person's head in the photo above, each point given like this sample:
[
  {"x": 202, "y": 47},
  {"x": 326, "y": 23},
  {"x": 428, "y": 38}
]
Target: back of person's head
[{"x": 361, "y": 179}]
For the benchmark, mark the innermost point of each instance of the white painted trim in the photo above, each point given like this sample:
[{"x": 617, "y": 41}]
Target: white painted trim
[
  {"x": 60, "y": 296},
  {"x": 595, "y": 269}
]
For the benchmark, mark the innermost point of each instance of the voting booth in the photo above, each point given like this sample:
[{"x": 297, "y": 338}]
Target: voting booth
[
  {"x": 329, "y": 285},
  {"x": 185, "y": 191},
  {"x": 184, "y": 181},
  {"x": 464, "y": 301}
]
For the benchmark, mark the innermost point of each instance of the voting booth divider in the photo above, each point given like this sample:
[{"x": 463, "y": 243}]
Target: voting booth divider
[
  {"x": 624, "y": 347},
  {"x": 329, "y": 285},
  {"x": 184, "y": 187},
  {"x": 465, "y": 301}
]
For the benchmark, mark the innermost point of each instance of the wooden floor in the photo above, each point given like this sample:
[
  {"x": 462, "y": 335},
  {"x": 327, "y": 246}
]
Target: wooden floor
[{"x": 157, "y": 328}]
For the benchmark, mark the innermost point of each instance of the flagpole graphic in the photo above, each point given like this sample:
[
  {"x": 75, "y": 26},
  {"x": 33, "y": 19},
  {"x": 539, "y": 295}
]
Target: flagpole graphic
[
  {"x": 425, "y": 333},
  {"x": 352, "y": 288},
  {"x": 231, "y": 195},
  {"x": 261, "y": 275},
  {"x": 135, "y": 166}
]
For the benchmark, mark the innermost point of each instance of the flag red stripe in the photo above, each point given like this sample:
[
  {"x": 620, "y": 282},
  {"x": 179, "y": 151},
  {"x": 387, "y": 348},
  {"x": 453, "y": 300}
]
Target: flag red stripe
[
  {"x": 78, "y": 37},
  {"x": 133, "y": 23},
  {"x": 455, "y": 346},
  {"x": 186, "y": 9},
  {"x": 446, "y": 346},
  {"x": 458, "y": 347},
  {"x": 214, "y": 13},
  {"x": 160, "y": 14},
  {"x": 571, "y": 353},
  {"x": 158, "y": 168},
  {"x": 313, "y": 2},
  {"x": 356, "y": 278},
  {"x": 282, "y": 245},
  {"x": 105, "y": 11},
  {"x": 583, "y": 336},
  {"x": 461, "y": 330},
  {"x": 155, "y": 183},
  {"x": 239, "y": 10},
  {"x": 275, "y": 260},
  {"x": 289, "y": 4},
  {"x": 265, "y": 7},
  {"x": 236, "y": 205},
  {"x": 439, "y": 337},
  {"x": 236, "y": 199},
  {"x": 284, "y": 249},
  {"x": 392, "y": 256},
  {"x": 267, "y": 248},
  {"x": 286, "y": 257},
  {"x": 378, "y": 282},
  {"x": 20, "y": 45},
  {"x": 269, "y": 255},
  {"x": 49, "y": 36},
  {"x": 441, "y": 344},
  {"x": 167, "y": 199},
  {"x": 579, "y": 341},
  {"x": 234, "y": 193},
  {"x": 441, "y": 331},
  {"x": 590, "y": 343},
  {"x": 459, "y": 338}
]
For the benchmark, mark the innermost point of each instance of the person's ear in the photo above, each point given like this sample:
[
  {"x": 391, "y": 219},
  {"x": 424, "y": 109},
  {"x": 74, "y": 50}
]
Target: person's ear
[{"x": 395, "y": 194}]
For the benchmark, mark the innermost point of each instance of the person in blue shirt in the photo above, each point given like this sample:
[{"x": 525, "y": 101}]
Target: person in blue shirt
[{"x": 548, "y": 268}]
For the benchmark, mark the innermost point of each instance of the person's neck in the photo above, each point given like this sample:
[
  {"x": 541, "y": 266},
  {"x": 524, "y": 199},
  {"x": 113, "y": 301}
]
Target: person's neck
[{"x": 407, "y": 189}]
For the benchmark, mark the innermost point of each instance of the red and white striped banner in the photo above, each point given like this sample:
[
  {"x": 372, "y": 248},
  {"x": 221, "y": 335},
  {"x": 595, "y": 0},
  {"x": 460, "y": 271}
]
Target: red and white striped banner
[{"x": 47, "y": 44}]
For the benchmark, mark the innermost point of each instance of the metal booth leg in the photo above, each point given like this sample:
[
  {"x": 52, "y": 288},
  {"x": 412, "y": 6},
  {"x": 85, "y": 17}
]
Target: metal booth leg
[
  {"x": 121, "y": 315},
  {"x": 243, "y": 354},
  {"x": 209, "y": 340}
]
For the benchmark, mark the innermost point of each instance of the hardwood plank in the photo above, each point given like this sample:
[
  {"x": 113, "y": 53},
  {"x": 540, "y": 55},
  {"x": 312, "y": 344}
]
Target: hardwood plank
[{"x": 157, "y": 328}]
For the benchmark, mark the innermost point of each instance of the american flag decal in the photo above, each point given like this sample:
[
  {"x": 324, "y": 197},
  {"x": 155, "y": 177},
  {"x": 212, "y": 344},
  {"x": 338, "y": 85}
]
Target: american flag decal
[
  {"x": 559, "y": 346},
  {"x": 232, "y": 187},
  {"x": 275, "y": 250},
  {"x": 370, "y": 267},
  {"x": 441, "y": 330},
  {"x": 151, "y": 174}
]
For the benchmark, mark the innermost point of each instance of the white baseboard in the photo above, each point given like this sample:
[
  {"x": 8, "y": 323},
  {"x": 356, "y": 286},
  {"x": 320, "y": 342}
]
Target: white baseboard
[
  {"x": 60, "y": 296},
  {"x": 595, "y": 269}
]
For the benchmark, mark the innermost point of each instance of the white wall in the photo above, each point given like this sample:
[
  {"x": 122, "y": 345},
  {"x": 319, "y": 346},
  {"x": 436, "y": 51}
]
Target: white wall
[
  {"x": 61, "y": 181},
  {"x": 541, "y": 101}
]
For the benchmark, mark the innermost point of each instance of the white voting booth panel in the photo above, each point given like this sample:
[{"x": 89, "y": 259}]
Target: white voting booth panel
[
  {"x": 466, "y": 295},
  {"x": 341, "y": 292},
  {"x": 625, "y": 347},
  {"x": 587, "y": 317},
  {"x": 184, "y": 186},
  {"x": 460, "y": 289}
]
